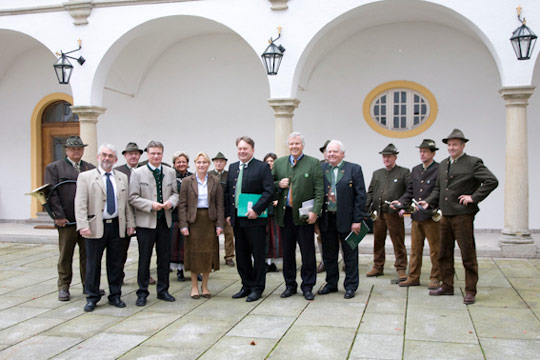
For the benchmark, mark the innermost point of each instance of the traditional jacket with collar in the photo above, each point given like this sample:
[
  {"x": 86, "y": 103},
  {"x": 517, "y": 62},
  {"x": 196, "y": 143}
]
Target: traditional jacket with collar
[
  {"x": 386, "y": 186},
  {"x": 421, "y": 184},
  {"x": 189, "y": 195}
]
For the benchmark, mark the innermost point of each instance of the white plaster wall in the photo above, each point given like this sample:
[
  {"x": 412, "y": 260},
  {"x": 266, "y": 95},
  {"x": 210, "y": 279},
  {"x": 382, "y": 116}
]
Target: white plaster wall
[
  {"x": 200, "y": 95},
  {"x": 459, "y": 72},
  {"x": 25, "y": 83},
  {"x": 533, "y": 117}
]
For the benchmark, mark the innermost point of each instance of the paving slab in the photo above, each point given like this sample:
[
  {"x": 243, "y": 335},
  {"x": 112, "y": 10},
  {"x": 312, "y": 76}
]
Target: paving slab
[
  {"x": 311, "y": 342},
  {"x": 262, "y": 326},
  {"x": 419, "y": 296},
  {"x": 39, "y": 347},
  {"x": 160, "y": 353},
  {"x": 17, "y": 314},
  {"x": 144, "y": 323},
  {"x": 348, "y": 315},
  {"x": 516, "y": 268},
  {"x": 274, "y": 305},
  {"x": 83, "y": 326},
  {"x": 444, "y": 325},
  {"x": 499, "y": 297},
  {"x": 504, "y": 349},
  {"x": 26, "y": 329},
  {"x": 505, "y": 323},
  {"x": 233, "y": 347},
  {"x": 525, "y": 283},
  {"x": 377, "y": 323},
  {"x": 427, "y": 350},
  {"x": 102, "y": 346},
  {"x": 377, "y": 346}
]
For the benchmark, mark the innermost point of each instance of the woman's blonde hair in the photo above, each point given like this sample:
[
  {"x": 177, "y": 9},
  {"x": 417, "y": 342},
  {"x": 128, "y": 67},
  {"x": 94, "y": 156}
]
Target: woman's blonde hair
[{"x": 204, "y": 155}]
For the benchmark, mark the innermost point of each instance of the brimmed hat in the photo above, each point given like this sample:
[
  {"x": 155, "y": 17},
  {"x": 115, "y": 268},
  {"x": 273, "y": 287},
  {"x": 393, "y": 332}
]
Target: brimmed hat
[
  {"x": 322, "y": 148},
  {"x": 74, "y": 141},
  {"x": 219, "y": 156},
  {"x": 455, "y": 134},
  {"x": 428, "y": 144},
  {"x": 132, "y": 147},
  {"x": 390, "y": 149}
]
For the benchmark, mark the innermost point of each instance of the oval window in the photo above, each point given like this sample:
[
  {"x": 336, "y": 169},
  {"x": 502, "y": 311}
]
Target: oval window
[{"x": 400, "y": 109}]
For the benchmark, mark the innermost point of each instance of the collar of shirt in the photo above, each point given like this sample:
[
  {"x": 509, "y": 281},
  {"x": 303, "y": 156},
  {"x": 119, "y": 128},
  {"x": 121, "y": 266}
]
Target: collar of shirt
[
  {"x": 291, "y": 158},
  {"x": 456, "y": 159},
  {"x": 73, "y": 163},
  {"x": 426, "y": 167},
  {"x": 199, "y": 180},
  {"x": 153, "y": 167},
  {"x": 246, "y": 163},
  {"x": 338, "y": 166}
]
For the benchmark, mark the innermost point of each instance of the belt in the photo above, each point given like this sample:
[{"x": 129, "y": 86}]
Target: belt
[
  {"x": 110, "y": 221},
  {"x": 332, "y": 212}
]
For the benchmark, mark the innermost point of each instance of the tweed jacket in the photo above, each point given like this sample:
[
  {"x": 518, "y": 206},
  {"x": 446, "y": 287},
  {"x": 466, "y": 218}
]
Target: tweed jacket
[
  {"x": 467, "y": 176},
  {"x": 350, "y": 196},
  {"x": 189, "y": 194},
  {"x": 62, "y": 200},
  {"x": 307, "y": 181},
  {"x": 222, "y": 178},
  {"x": 421, "y": 184},
  {"x": 256, "y": 179},
  {"x": 386, "y": 186},
  {"x": 90, "y": 200},
  {"x": 143, "y": 192},
  {"x": 125, "y": 170}
]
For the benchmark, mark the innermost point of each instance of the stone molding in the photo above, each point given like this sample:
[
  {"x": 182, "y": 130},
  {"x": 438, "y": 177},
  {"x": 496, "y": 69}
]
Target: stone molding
[
  {"x": 516, "y": 95},
  {"x": 79, "y": 10},
  {"x": 88, "y": 118},
  {"x": 283, "y": 114},
  {"x": 279, "y": 4}
]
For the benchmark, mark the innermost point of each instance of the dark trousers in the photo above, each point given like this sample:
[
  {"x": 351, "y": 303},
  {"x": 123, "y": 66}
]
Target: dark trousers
[
  {"x": 251, "y": 242},
  {"x": 331, "y": 238},
  {"x": 229, "y": 241},
  {"x": 392, "y": 223},
  {"x": 161, "y": 236},
  {"x": 458, "y": 228},
  {"x": 419, "y": 231},
  {"x": 94, "y": 252},
  {"x": 304, "y": 236},
  {"x": 68, "y": 238},
  {"x": 177, "y": 244},
  {"x": 124, "y": 248}
]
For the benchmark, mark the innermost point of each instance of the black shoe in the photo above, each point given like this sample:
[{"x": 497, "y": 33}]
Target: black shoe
[
  {"x": 63, "y": 295},
  {"x": 199, "y": 277},
  {"x": 308, "y": 295},
  {"x": 180, "y": 275},
  {"x": 253, "y": 296},
  {"x": 327, "y": 289},
  {"x": 166, "y": 297},
  {"x": 266, "y": 268},
  {"x": 90, "y": 306},
  {"x": 141, "y": 301},
  {"x": 117, "y": 302},
  {"x": 349, "y": 294},
  {"x": 242, "y": 293},
  {"x": 272, "y": 268},
  {"x": 288, "y": 292}
]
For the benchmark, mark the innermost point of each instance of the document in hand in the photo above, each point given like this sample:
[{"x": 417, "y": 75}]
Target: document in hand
[
  {"x": 354, "y": 239},
  {"x": 246, "y": 202},
  {"x": 307, "y": 206}
]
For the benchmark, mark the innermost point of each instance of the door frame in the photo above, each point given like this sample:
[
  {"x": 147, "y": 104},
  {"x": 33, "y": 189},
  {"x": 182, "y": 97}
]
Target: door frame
[{"x": 36, "y": 144}]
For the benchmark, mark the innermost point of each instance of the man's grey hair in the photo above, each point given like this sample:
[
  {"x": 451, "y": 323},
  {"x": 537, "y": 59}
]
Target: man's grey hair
[
  {"x": 108, "y": 146},
  {"x": 296, "y": 134},
  {"x": 155, "y": 144},
  {"x": 338, "y": 143}
]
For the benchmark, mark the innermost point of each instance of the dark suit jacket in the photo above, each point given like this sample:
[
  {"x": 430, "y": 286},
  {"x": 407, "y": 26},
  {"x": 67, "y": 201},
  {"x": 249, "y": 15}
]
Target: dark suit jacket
[
  {"x": 256, "y": 179},
  {"x": 124, "y": 169},
  {"x": 62, "y": 200},
  {"x": 189, "y": 195},
  {"x": 350, "y": 195},
  {"x": 420, "y": 186},
  {"x": 467, "y": 176},
  {"x": 386, "y": 186},
  {"x": 307, "y": 180}
]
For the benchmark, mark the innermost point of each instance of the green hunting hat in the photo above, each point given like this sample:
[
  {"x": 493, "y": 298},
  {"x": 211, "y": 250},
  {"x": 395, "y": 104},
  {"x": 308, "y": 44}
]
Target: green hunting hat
[
  {"x": 219, "y": 156},
  {"x": 428, "y": 144},
  {"x": 132, "y": 147},
  {"x": 455, "y": 134},
  {"x": 390, "y": 149},
  {"x": 74, "y": 141}
]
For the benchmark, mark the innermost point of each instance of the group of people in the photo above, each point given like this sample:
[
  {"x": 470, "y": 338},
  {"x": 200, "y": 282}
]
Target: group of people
[{"x": 267, "y": 207}]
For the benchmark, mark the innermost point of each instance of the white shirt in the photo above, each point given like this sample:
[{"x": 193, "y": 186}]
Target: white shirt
[
  {"x": 202, "y": 201},
  {"x": 106, "y": 215}
]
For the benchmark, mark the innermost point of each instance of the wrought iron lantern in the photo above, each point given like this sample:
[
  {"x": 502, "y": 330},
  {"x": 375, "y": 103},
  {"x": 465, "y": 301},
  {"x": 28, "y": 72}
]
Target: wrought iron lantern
[
  {"x": 523, "y": 39},
  {"x": 273, "y": 55},
  {"x": 63, "y": 67}
]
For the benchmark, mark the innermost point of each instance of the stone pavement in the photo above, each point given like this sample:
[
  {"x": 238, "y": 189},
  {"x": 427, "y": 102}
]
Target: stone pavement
[{"x": 383, "y": 321}]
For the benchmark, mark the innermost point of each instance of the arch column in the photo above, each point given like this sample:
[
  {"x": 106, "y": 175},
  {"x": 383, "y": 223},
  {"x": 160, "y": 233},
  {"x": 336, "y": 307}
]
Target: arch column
[
  {"x": 516, "y": 240},
  {"x": 88, "y": 118},
  {"x": 283, "y": 113}
]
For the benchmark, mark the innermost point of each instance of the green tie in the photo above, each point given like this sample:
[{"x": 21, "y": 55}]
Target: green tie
[
  {"x": 239, "y": 184},
  {"x": 332, "y": 205}
]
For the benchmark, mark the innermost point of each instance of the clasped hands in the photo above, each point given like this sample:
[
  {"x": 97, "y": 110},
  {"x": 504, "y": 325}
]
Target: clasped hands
[{"x": 159, "y": 206}]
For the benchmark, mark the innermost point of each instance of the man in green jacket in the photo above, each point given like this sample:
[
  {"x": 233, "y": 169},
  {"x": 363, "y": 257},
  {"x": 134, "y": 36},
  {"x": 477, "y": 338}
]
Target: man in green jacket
[
  {"x": 388, "y": 184},
  {"x": 298, "y": 178},
  {"x": 462, "y": 183}
]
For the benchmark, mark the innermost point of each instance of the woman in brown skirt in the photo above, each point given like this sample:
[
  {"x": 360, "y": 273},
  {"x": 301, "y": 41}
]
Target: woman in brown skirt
[{"x": 200, "y": 213}]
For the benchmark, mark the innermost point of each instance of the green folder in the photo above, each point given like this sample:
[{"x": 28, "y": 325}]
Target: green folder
[
  {"x": 354, "y": 239},
  {"x": 246, "y": 202}
]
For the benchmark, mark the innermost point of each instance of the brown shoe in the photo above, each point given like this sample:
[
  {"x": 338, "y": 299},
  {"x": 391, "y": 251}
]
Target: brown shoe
[
  {"x": 468, "y": 299},
  {"x": 152, "y": 281},
  {"x": 410, "y": 282},
  {"x": 229, "y": 262},
  {"x": 402, "y": 275},
  {"x": 442, "y": 291},
  {"x": 434, "y": 284},
  {"x": 63, "y": 295},
  {"x": 320, "y": 268},
  {"x": 375, "y": 272}
]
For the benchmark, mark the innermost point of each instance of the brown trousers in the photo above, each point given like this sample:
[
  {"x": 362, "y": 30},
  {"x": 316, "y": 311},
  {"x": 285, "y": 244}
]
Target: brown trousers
[
  {"x": 458, "y": 228},
  {"x": 68, "y": 237},
  {"x": 394, "y": 224},
  {"x": 419, "y": 231},
  {"x": 229, "y": 241}
]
